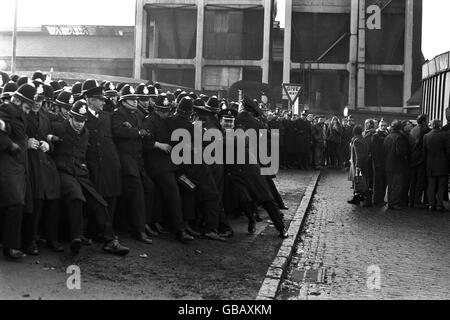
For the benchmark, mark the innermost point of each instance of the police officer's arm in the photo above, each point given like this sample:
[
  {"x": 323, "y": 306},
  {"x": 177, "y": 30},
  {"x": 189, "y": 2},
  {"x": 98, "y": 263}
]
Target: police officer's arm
[{"x": 121, "y": 128}]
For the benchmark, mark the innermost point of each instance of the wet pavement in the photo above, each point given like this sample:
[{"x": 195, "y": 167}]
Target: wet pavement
[
  {"x": 347, "y": 252},
  {"x": 165, "y": 270}
]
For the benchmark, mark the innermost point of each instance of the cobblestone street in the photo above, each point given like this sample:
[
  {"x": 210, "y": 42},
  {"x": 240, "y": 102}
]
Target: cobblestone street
[{"x": 343, "y": 247}]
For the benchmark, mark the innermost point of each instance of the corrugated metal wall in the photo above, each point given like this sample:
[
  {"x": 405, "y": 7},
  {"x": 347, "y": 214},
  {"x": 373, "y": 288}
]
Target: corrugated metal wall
[
  {"x": 436, "y": 87},
  {"x": 436, "y": 96}
]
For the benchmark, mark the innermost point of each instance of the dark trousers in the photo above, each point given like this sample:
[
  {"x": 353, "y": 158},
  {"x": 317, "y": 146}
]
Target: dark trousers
[
  {"x": 318, "y": 155},
  {"x": 334, "y": 154},
  {"x": 379, "y": 185},
  {"x": 46, "y": 211},
  {"x": 418, "y": 184},
  {"x": 274, "y": 191},
  {"x": 138, "y": 196},
  {"x": 95, "y": 210},
  {"x": 12, "y": 227},
  {"x": 396, "y": 184},
  {"x": 437, "y": 186},
  {"x": 275, "y": 214},
  {"x": 211, "y": 202},
  {"x": 171, "y": 197},
  {"x": 217, "y": 171},
  {"x": 305, "y": 159}
]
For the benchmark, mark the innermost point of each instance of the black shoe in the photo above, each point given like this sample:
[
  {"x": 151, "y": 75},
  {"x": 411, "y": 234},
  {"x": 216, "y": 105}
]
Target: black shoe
[
  {"x": 86, "y": 242},
  {"x": 149, "y": 231},
  {"x": 284, "y": 207},
  {"x": 420, "y": 206},
  {"x": 114, "y": 247},
  {"x": 251, "y": 227},
  {"x": 184, "y": 237},
  {"x": 227, "y": 234},
  {"x": 192, "y": 232},
  {"x": 32, "y": 249},
  {"x": 258, "y": 218},
  {"x": 431, "y": 208},
  {"x": 440, "y": 209},
  {"x": 355, "y": 201},
  {"x": 142, "y": 237},
  {"x": 158, "y": 228},
  {"x": 284, "y": 234},
  {"x": 13, "y": 254},
  {"x": 76, "y": 245},
  {"x": 395, "y": 208},
  {"x": 55, "y": 246}
]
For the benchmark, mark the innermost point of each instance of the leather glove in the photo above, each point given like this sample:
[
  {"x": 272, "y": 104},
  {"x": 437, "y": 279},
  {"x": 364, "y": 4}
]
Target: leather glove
[{"x": 127, "y": 125}]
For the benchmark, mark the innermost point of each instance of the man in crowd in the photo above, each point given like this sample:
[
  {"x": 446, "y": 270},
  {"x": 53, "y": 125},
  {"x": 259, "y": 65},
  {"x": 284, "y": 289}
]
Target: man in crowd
[
  {"x": 395, "y": 149},
  {"x": 436, "y": 152},
  {"x": 418, "y": 179}
]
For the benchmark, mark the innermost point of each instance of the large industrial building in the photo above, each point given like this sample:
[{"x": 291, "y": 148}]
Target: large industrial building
[{"x": 364, "y": 54}]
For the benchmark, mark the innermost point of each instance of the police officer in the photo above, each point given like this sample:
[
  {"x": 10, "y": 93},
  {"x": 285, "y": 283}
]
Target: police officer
[
  {"x": 159, "y": 164},
  {"x": 76, "y": 188},
  {"x": 138, "y": 189},
  {"x": 102, "y": 157},
  {"x": 13, "y": 164},
  {"x": 44, "y": 178},
  {"x": 208, "y": 115},
  {"x": 206, "y": 194}
]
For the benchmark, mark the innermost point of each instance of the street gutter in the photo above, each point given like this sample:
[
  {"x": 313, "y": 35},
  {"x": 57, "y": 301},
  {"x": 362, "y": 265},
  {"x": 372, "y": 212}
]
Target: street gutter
[{"x": 278, "y": 268}]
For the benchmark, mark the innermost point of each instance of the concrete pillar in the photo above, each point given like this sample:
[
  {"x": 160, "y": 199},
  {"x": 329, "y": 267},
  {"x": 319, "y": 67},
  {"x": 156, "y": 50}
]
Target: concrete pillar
[
  {"x": 266, "y": 40},
  {"x": 139, "y": 38},
  {"x": 287, "y": 42},
  {"x": 361, "y": 101},
  {"x": 353, "y": 55},
  {"x": 199, "y": 45},
  {"x": 408, "y": 64}
]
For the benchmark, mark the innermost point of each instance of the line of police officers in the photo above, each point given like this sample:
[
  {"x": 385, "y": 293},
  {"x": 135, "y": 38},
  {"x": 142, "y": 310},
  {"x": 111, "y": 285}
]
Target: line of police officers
[{"x": 78, "y": 161}]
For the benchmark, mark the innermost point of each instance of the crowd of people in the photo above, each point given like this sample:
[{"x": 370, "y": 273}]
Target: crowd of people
[
  {"x": 406, "y": 163},
  {"x": 312, "y": 141},
  {"x": 79, "y": 163}
]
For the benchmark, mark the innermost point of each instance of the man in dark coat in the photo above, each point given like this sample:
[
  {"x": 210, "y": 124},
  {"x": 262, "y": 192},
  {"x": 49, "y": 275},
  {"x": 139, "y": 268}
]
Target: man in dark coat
[
  {"x": 101, "y": 156},
  {"x": 13, "y": 164},
  {"x": 206, "y": 194},
  {"x": 159, "y": 165},
  {"x": 251, "y": 187},
  {"x": 436, "y": 153},
  {"x": 209, "y": 117},
  {"x": 418, "y": 167},
  {"x": 138, "y": 189},
  {"x": 395, "y": 149},
  {"x": 76, "y": 188},
  {"x": 378, "y": 164},
  {"x": 303, "y": 139},
  {"x": 44, "y": 180}
]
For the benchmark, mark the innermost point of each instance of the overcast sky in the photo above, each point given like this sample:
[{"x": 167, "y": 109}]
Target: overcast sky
[{"x": 436, "y": 21}]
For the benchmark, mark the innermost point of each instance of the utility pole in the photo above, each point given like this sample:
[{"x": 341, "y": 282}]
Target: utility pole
[{"x": 14, "y": 39}]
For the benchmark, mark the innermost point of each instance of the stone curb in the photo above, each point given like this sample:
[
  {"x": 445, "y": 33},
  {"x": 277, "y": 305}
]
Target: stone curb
[{"x": 278, "y": 268}]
